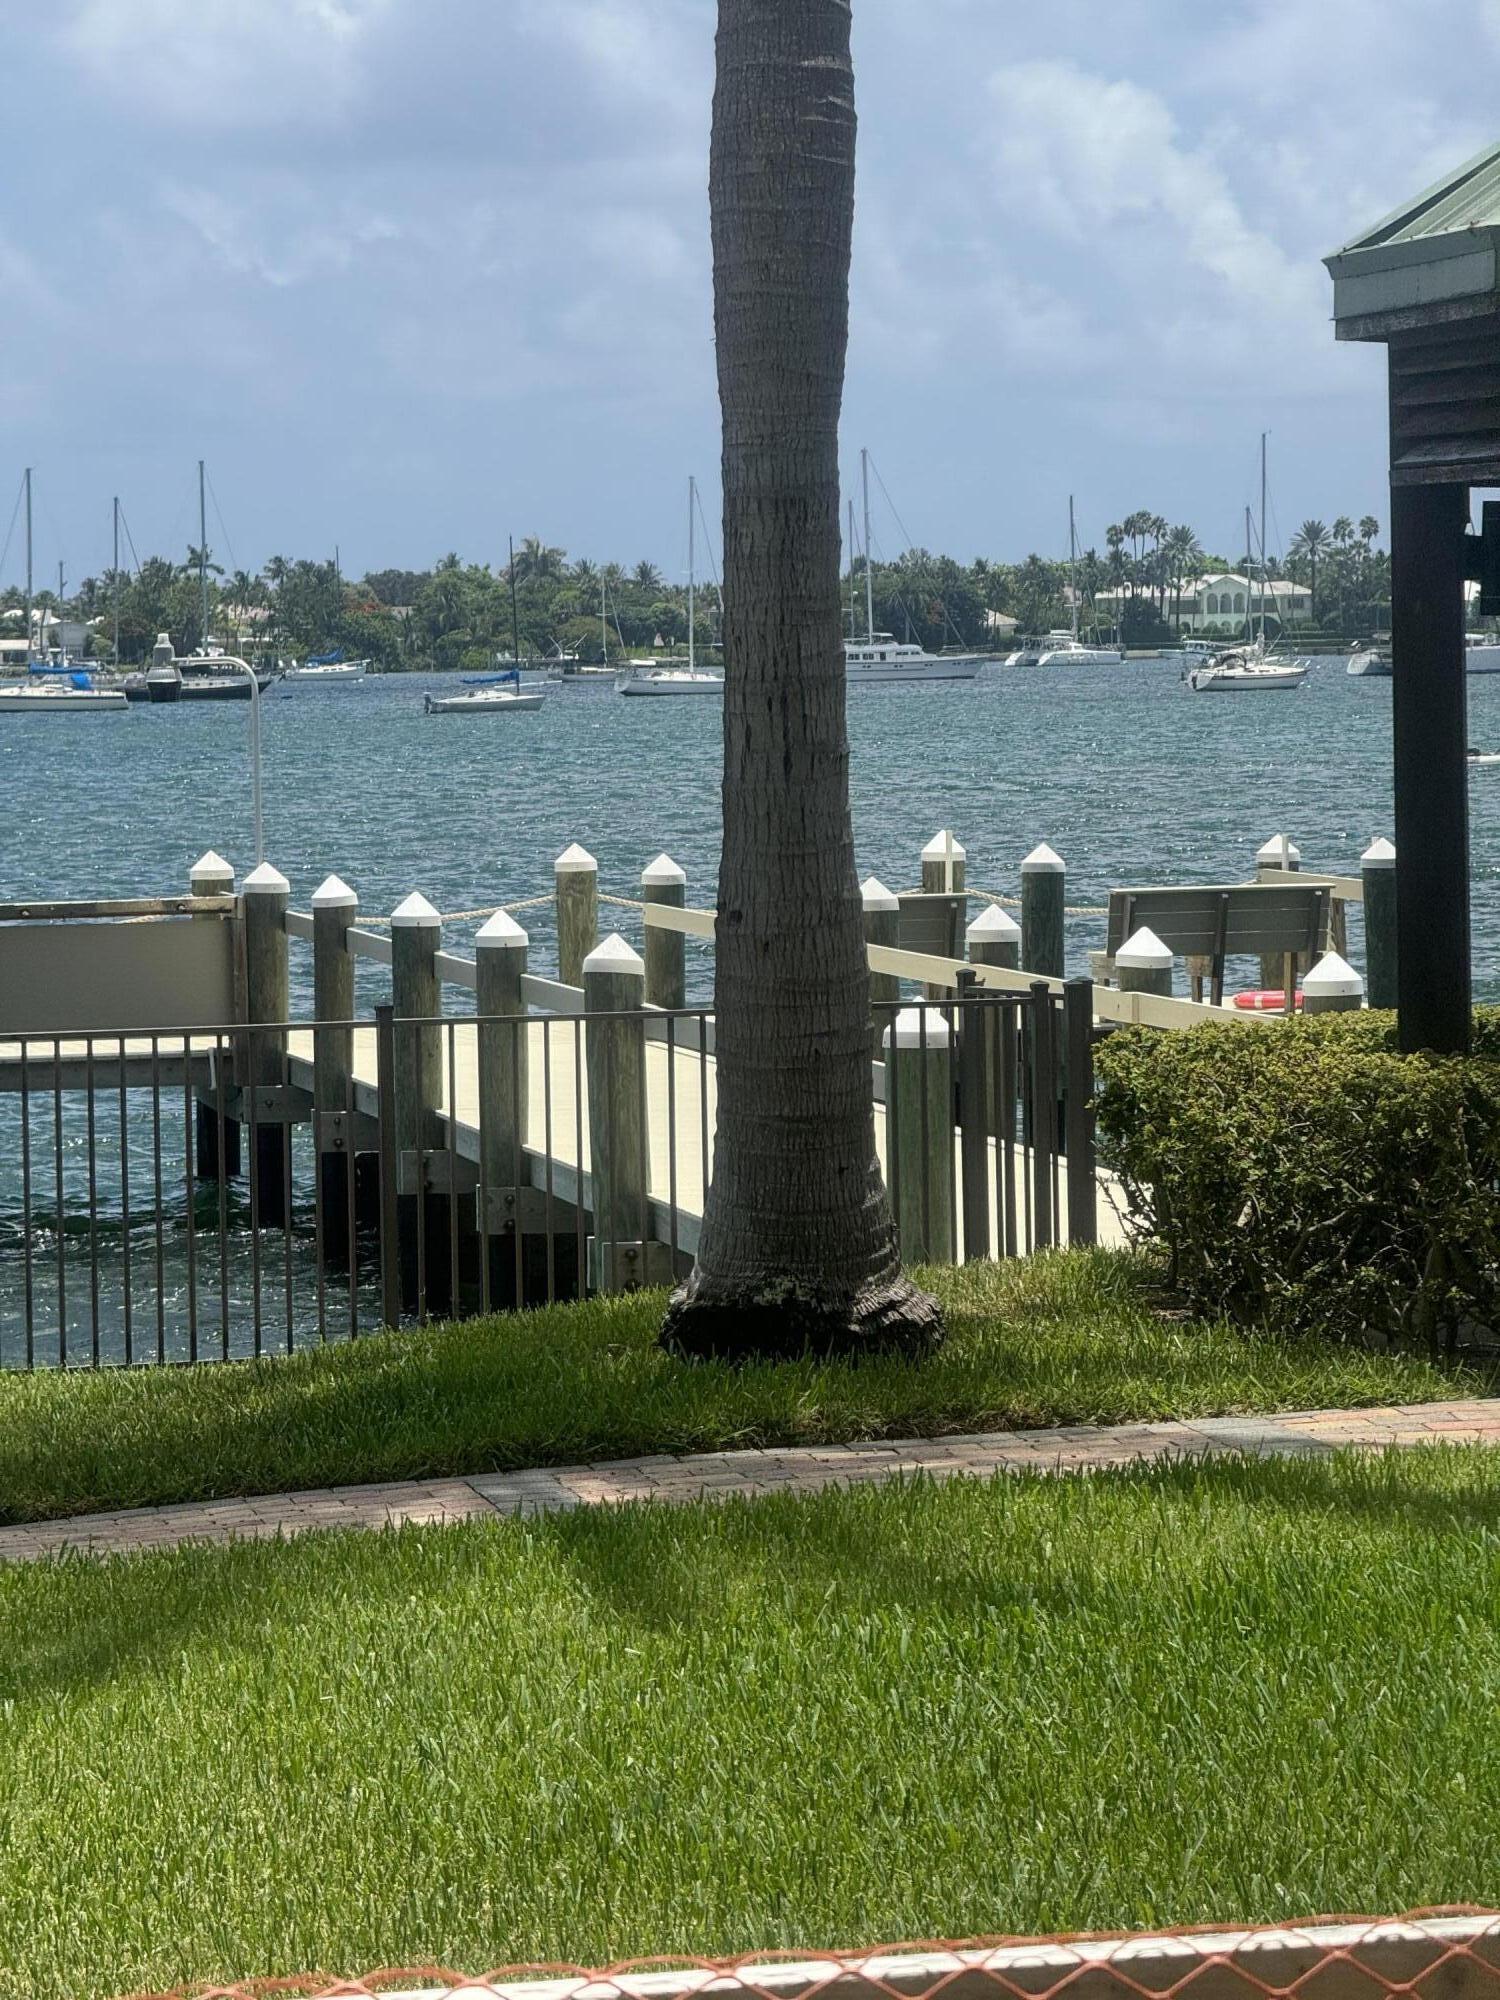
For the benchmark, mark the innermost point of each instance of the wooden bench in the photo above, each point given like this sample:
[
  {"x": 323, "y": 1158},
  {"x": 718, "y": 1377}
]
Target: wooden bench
[{"x": 1286, "y": 920}]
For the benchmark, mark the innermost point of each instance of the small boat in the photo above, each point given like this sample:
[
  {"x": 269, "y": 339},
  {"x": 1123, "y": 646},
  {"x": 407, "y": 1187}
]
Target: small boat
[
  {"x": 327, "y": 669},
  {"x": 1369, "y": 663},
  {"x": 879, "y": 661},
  {"x": 645, "y": 677},
  {"x": 213, "y": 675},
  {"x": 1064, "y": 650},
  {"x": 1245, "y": 671},
  {"x": 1484, "y": 759},
  {"x": 486, "y": 700},
  {"x": 1482, "y": 650},
  {"x": 74, "y": 694}
]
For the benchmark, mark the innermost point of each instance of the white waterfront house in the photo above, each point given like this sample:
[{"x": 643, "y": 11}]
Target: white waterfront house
[{"x": 1223, "y": 598}]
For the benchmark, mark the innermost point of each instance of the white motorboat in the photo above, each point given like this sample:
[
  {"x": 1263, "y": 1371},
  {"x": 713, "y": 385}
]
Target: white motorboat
[
  {"x": 1245, "y": 671},
  {"x": 1064, "y": 650},
  {"x": 75, "y": 694},
  {"x": 327, "y": 671},
  {"x": 646, "y": 677},
  {"x": 879, "y": 661},
  {"x": 1370, "y": 664},
  {"x": 490, "y": 700},
  {"x": 1482, "y": 653}
]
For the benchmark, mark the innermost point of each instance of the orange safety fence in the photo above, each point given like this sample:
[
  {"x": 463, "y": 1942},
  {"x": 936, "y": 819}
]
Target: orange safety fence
[{"x": 1446, "y": 1954}]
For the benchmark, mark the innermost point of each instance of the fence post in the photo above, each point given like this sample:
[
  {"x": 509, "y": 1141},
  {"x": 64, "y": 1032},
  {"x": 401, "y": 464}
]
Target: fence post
[
  {"x": 390, "y": 1163},
  {"x": 267, "y": 1004},
  {"x": 1044, "y": 1094},
  {"x": 1332, "y": 987},
  {"x": 664, "y": 883},
  {"x": 1078, "y": 1134},
  {"x": 1276, "y": 857},
  {"x": 972, "y": 1016},
  {"x": 217, "y": 1140},
  {"x": 882, "y": 920},
  {"x": 1378, "y": 870},
  {"x": 576, "y": 876},
  {"x": 995, "y": 939},
  {"x": 416, "y": 933},
  {"x": 334, "y": 908},
  {"x": 1044, "y": 894},
  {"x": 500, "y": 953},
  {"x": 919, "y": 1111},
  {"x": 943, "y": 865},
  {"x": 1143, "y": 964},
  {"x": 614, "y": 983}
]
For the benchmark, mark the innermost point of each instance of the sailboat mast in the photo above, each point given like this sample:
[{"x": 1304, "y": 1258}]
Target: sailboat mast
[
  {"x": 1263, "y": 572},
  {"x": 117, "y": 579},
  {"x": 515, "y": 614},
  {"x": 864, "y": 466},
  {"x": 1249, "y": 580},
  {"x": 28, "y": 565},
  {"x": 1073, "y": 564},
  {"x": 202, "y": 559},
  {"x": 692, "y": 565},
  {"x": 61, "y": 649},
  {"x": 603, "y": 622},
  {"x": 853, "y": 552}
]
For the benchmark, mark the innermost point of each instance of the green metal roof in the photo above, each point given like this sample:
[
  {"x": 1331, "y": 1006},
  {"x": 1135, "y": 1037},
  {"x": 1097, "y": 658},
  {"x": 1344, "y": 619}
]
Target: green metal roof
[{"x": 1436, "y": 258}]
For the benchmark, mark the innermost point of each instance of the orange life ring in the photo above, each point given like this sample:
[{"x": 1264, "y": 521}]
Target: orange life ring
[{"x": 1265, "y": 1003}]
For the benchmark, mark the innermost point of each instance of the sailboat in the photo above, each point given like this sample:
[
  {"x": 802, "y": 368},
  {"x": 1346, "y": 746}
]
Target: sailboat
[
  {"x": 210, "y": 674},
  {"x": 647, "y": 677},
  {"x": 1066, "y": 649},
  {"x": 1249, "y": 668},
  {"x": 53, "y": 686},
  {"x": 878, "y": 660}
]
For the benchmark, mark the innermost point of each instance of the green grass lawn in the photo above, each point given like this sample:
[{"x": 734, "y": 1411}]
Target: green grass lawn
[
  {"x": 1071, "y": 1338},
  {"x": 1210, "y": 1692}
]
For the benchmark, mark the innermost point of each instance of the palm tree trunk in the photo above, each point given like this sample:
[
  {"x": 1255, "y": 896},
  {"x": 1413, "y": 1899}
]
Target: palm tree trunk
[{"x": 797, "y": 1247}]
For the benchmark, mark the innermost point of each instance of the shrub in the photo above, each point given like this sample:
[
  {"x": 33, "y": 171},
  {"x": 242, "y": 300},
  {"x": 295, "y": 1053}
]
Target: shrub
[{"x": 1308, "y": 1174}]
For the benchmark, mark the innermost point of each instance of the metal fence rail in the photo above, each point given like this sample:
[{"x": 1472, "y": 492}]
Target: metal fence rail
[{"x": 217, "y": 1194}]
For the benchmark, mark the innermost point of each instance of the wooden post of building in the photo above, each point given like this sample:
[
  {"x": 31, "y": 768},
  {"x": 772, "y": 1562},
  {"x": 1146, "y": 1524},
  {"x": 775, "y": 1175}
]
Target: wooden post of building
[
  {"x": 1434, "y": 969},
  {"x": 576, "y": 874},
  {"x": 614, "y": 983},
  {"x": 882, "y": 912},
  {"x": 995, "y": 939},
  {"x": 1332, "y": 987},
  {"x": 1378, "y": 871},
  {"x": 1278, "y": 856},
  {"x": 943, "y": 865},
  {"x": 500, "y": 953},
  {"x": 1043, "y": 915},
  {"x": 416, "y": 934},
  {"x": 217, "y": 1141},
  {"x": 664, "y": 883},
  {"x": 266, "y": 895},
  {"x": 919, "y": 1133},
  {"x": 1143, "y": 964},
  {"x": 334, "y": 909}
]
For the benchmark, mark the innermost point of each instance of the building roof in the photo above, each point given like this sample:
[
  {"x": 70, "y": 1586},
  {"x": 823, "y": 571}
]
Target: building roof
[{"x": 1433, "y": 259}]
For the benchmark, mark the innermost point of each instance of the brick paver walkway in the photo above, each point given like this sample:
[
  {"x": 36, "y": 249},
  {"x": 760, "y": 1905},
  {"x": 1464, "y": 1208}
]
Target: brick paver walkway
[{"x": 721, "y": 1474}]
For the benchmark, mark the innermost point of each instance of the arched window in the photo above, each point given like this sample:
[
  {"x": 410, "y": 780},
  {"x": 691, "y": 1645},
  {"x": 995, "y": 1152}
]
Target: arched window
[
  {"x": 1239, "y": 600},
  {"x": 1211, "y": 605}
]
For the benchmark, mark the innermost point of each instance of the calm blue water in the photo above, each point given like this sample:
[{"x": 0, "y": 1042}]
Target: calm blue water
[{"x": 1126, "y": 774}]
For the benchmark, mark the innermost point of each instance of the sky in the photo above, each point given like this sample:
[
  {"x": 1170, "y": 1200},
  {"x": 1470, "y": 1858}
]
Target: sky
[{"x": 414, "y": 275}]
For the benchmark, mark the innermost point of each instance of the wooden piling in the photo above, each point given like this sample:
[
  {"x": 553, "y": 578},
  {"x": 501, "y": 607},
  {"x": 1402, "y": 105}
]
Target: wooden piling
[
  {"x": 1276, "y": 857},
  {"x": 665, "y": 884},
  {"x": 422, "y": 1211},
  {"x": 334, "y": 909},
  {"x": 882, "y": 919},
  {"x": 1378, "y": 872},
  {"x": 1143, "y": 964},
  {"x": 217, "y": 1140},
  {"x": 994, "y": 939},
  {"x": 943, "y": 865},
  {"x": 500, "y": 953},
  {"x": 620, "y": 1254},
  {"x": 576, "y": 876},
  {"x": 919, "y": 1133},
  {"x": 265, "y": 897},
  {"x": 1332, "y": 987},
  {"x": 1043, "y": 915}
]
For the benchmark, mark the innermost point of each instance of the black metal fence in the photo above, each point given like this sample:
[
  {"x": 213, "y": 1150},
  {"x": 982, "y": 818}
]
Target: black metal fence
[{"x": 210, "y": 1196}]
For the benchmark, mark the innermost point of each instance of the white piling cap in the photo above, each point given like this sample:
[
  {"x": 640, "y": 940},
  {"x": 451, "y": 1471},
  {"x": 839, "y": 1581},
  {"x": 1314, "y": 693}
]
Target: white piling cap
[
  {"x": 875, "y": 896},
  {"x": 266, "y": 881},
  {"x": 943, "y": 847},
  {"x": 614, "y": 955},
  {"x": 575, "y": 860},
  {"x": 332, "y": 894},
  {"x": 1144, "y": 952},
  {"x": 912, "y": 1029},
  {"x": 1331, "y": 975},
  {"x": 415, "y": 914},
  {"x": 993, "y": 926},
  {"x": 662, "y": 873},
  {"x": 1278, "y": 852},
  {"x": 1379, "y": 854},
  {"x": 502, "y": 932},
  {"x": 211, "y": 867},
  {"x": 1044, "y": 860}
]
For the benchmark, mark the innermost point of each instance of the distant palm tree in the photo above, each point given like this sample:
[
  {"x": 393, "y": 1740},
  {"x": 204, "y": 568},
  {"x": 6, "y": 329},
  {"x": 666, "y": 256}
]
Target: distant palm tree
[
  {"x": 1309, "y": 543},
  {"x": 535, "y": 558},
  {"x": 586, "y": 574},
  {"x": 1369, "y": 528},
  {"x": 1343, "y": 528},
  {"x": 196, "y": 556},
  {"x": 646, "y": 576},
  {"x": 1184, "y": 559}
]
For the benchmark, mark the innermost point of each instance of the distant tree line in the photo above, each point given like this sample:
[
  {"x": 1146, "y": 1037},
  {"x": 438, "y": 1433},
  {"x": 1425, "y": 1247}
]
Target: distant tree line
[{"x": 465, "y": 615}]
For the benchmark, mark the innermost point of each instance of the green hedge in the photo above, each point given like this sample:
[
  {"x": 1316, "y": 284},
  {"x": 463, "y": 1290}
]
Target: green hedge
[{"x": 1307, "y": 1174}]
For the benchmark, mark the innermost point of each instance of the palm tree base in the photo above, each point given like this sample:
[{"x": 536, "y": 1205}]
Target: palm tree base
[{"x": 780, "y": 1319}]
